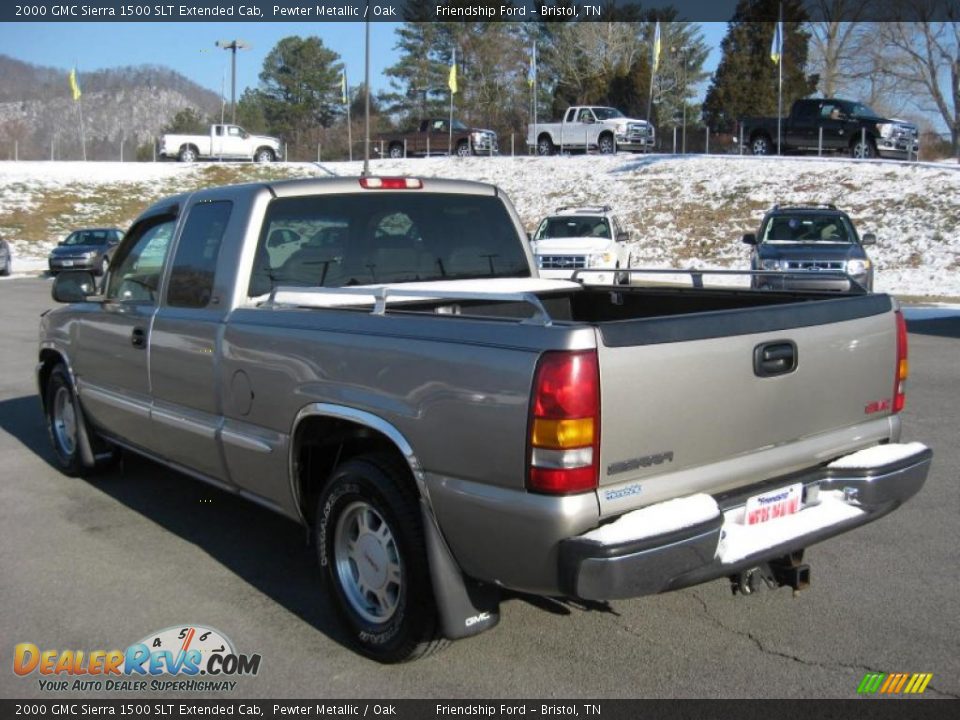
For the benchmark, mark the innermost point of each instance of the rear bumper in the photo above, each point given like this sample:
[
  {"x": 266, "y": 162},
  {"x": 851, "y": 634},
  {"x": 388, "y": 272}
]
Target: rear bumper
[{"x": 845, "y": 494}]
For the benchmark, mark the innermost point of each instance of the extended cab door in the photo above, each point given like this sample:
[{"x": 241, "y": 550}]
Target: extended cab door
[
  {"x": 801, "y": 128},
  {"x": 112, "y": 359},
  {"x": 184, "y": 344},
  {"x": 235, "y": 142}
]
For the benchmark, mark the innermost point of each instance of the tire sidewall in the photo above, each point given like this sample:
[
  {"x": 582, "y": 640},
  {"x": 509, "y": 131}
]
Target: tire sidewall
[
  {"x": 463, "y": 149},
  {"x": 69, "y": 463},
  {"x": 382, "y": 641},
  {"x": 396, "y": 152}
]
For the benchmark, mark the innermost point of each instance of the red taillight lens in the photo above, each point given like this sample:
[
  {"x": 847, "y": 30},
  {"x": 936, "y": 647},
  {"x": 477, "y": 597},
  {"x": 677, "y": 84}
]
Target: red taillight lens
[
  {"x": 565, "y": 424},
  {"x": 391, "y": 183},
  {"x": 903, "y": 367}
]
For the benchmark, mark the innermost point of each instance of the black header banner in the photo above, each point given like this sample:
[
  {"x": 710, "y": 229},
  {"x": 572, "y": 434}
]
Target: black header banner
[
  {"x": 485, "y": 709},
  {"x": 450, "y": 10}
]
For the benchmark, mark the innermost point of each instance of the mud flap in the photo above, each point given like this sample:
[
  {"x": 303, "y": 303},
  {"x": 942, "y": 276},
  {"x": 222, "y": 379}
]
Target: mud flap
[{"x": 467, "y": 607}]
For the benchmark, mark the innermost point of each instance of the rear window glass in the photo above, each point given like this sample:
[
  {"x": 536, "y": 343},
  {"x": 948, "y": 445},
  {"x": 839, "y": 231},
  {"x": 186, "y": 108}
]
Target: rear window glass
[{"x": 385, "y": 237}]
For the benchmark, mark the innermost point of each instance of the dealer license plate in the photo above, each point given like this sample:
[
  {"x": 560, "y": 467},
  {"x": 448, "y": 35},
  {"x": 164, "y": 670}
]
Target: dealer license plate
[
  {"x": 67, "y": 263},
  {"x": 773, "y": 504}
]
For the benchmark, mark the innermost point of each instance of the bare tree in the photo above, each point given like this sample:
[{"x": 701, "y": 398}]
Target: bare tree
[
  {"x": 927, "y": 59},
  {"x": 836, "y": 41}
]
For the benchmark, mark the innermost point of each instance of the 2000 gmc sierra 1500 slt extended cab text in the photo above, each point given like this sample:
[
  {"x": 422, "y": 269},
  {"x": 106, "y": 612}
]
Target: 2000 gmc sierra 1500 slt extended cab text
[{"x": 377, "y": 359}]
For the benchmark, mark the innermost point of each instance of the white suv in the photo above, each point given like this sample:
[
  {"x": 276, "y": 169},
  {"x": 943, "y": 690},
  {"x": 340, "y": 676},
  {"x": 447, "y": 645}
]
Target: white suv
[{"x": 582, "y": 238}]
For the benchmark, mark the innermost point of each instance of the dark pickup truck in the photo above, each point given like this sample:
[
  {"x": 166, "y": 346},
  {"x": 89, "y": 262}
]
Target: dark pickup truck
[
  {"x": 434, "y": 137},
  {"x": 847, "y": 127}
]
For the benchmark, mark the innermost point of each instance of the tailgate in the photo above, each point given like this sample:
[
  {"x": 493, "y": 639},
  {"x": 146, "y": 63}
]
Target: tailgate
[{"x": 700, "y": 403}]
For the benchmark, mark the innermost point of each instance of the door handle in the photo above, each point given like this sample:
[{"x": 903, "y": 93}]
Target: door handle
[
  {"x": 775, "y": 358},
  {"x": 138, "y": 337}
]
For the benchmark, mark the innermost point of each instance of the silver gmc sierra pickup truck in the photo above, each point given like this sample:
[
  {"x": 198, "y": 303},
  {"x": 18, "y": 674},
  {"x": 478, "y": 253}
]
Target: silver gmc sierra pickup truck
[{"x": 377, "y": 359}]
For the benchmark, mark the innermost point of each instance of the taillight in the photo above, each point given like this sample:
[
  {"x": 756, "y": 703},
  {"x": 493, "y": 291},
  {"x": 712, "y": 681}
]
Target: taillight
[
  {"x": 903, "y": 368},
  {"x": 565, "y": 423},
  {"x": 391, "y": 183}
]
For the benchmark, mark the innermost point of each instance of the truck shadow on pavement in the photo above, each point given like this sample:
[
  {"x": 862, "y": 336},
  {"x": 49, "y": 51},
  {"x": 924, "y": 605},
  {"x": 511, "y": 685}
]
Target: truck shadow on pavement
[
  {"x": 948, "y": 327},
  {"x": 262, "y": 548}
]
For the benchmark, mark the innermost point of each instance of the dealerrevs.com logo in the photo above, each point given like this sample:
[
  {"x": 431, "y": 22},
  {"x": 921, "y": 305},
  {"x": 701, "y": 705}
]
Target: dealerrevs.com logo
[{"x": 178, "y": 659}]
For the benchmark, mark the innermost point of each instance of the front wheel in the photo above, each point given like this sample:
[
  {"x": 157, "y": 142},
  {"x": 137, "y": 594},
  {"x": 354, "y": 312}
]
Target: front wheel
[
  {"x": 7, "y": 267},
  {"x": 66, "y": 426},
  {"x": 463, "y": 149},
  {"x": 264, "y": 155},
  {"x": 863, "y": 149},
  {"x": 370, "y": 545},
  {"x": 606, "y": 145}
]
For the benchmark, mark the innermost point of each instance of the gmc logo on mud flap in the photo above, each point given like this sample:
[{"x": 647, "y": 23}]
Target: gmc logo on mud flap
[{"x": 482, "y": 617}]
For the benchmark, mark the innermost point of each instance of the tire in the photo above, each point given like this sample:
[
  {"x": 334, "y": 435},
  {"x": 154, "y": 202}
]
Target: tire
[
  {"x": 606, "y": 145},
  {"x": 863, "y": 150},
  {"x": 102, "y": 270},
  {"x": 7, "y": 267},
  {"x": 545, "y": 146},
  {"x": 264, "y": 155},
  {"x": 463, "y": 149},
  {"x": 760, "y": 145},
  {"x": 373, "y": 562},
  {"x": 66, "y": 424},
  {"x": 187, "y": 154},
  {"x": 396, "y": 151}
]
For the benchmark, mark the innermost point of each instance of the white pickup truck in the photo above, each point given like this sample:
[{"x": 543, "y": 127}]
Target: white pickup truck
[
  {"x": 591, "y": 128},
  {"x": 224, "y": 141}
]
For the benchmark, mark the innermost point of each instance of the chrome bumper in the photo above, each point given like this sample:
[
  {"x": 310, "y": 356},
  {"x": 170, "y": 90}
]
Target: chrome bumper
[{"x": 838, "y": 497}]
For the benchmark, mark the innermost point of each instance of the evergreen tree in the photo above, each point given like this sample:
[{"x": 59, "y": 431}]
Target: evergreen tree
[
  {"x": 300, "y": 87},
  {"x": 746, "y": 79}
]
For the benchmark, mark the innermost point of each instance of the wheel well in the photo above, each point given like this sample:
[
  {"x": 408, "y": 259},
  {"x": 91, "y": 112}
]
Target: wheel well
[
  {"x": 545, "y": 136},
  {"x": 321, "y": 443},
  {"x": 855, "y": 138},
  {"x": 760, "y": 134},
  {"x": 191, "y": 146},
  {"x": 262, "y": 148},
  {"x": 49, "y": 359}
]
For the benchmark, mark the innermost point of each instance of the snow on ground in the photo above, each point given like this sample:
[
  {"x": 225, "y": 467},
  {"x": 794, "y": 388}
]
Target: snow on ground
[{"x": 683, "y": 211}]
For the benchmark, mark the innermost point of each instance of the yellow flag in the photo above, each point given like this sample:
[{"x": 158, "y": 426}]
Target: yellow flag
[
  {"x": 74, "y": 85},
  {"x": 452, "y": 80}
]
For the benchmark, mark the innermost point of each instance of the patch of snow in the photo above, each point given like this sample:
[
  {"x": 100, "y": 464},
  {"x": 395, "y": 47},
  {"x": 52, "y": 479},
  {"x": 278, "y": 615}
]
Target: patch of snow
[{"x": 656, "y": 520}]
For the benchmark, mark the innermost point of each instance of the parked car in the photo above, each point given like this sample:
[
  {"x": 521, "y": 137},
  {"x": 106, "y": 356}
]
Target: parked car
[
  {"x": 582, "y": 238},
  {"x": 583, "y": 128},
  {"x": 230, "y": 142},
  {"x": 433, "y": 137},
  {"x": 6, "y": 258},
  {"x": 87, "y": 249},
  {"x": 810, "y": 248},
  {"x": 847, "y": 127},
  {"x": 447, "y": 425}
]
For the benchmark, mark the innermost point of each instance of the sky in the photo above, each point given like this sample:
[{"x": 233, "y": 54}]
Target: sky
[{"x": 189, "y": 48}]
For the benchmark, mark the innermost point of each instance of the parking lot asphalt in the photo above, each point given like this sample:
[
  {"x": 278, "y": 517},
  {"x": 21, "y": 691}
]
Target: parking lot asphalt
[{"x": 99, "y": 563}]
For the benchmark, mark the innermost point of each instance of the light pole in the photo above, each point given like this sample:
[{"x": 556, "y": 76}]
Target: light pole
[
  {"x": 683, "y": 53},
  {"x": 233, "y": 46},
  {"x": 366, "y": 99}
]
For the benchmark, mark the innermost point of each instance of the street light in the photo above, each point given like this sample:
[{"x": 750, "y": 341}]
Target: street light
[
  {"x": 233, "y": 46},
  {"x": 684, "y": 54}
]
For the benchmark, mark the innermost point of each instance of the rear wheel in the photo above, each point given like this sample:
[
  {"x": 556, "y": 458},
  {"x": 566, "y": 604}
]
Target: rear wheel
[
  {"x": 7, "y": 266},
  {"x": 760, "y": 145},
  {"x": 187, "y": 154},
  {"x": 545, "y": 146},
  {"x": 370, "y": 545}
]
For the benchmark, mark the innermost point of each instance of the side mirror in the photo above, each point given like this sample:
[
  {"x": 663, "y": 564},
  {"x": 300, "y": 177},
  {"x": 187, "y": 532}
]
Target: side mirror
[
  {"x": 73, "y": 287},
  {"x": 749, "y": 239},
  {"x": 868, "y": 239},
  {"x": 623, "y": 237}
]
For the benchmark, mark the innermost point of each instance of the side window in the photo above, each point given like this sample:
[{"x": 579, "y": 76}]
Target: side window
[
  {"x": 138, "y": 264},
  {"x": 218, "y": 129},
  {"x": 195, "y": 262}
]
